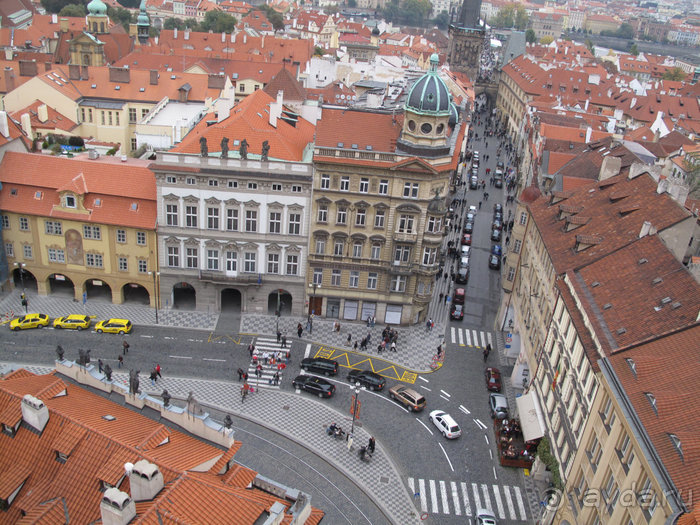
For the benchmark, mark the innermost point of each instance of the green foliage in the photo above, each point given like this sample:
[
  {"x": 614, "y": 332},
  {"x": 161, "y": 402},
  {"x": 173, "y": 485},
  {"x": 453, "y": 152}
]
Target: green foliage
[
  {"x": 545, "y": 454},
  {"x": 112, "y": 151},
  {"x": 510, "y": 16},
  {"x": 408, "y": 12},
  {"x": 192, "y": 23},
  {"x": 273, "y": 16},
  {"x": 121, "y": 15},
  {"x": 45, "y": 145},
  {"x": 318, "y": 51},
  {"x": 72, "y": 10},
  {"x": 634, "y": 50},
  {"x": 56, "y": 149},
  {"x": 172, "y": 23},
  {"x": 546, "y": 40},
  {"x": 675, "y": 73},
  {"x": 218, "y": 22},
  {"x": 130, "y": 3},
  {"x": 530, "y": 36},
  {"x": 624, "y": 31},
  {"x": 55, "y": 6},
  {"x": 140, "y": 151},
  {"x": 589, "y": 45},
  {"x": 442, "y": 20}
]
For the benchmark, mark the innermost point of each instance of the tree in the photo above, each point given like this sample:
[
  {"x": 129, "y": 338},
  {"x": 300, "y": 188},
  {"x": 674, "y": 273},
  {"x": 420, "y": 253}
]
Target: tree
[
  {"x": 442, "y": 20},
  {"x": 546, "y": 40},
  {"x": 192, "y": 24},
  {"x": 121, "y": 15},
  {"x": 674, "y": 73},
  {"x": 625, "y": 31},
  {"x": 218, "y": 22},
  {"x": 172, "y": 23},
  {"x": 530, "y": 36},
  {"x": 273, "y": 16},
  {"x": 416, "y": 11},
  {"x": 318, "y": 51},
  {"x": 589, "y": 45},
  {"x": 634, "y": 50},
  {"x": 510, "y": 16},
  {"x": 392, "y": 11},
  {"x": 72, "y": 10}
]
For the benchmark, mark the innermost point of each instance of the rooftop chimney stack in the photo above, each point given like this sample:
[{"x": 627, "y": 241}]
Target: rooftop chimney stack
[
  {"x": 154, "y": 77},
  {"x": 34, "y": 412},
  {"x": 4, "y": 125},
  {"x": 42, "y": 113},
  {"x": 9, "y": 78},
  {"x": 26, "y": 121},
  {"x": 116, "y": 507},
  {"x": 175, "y": 33},
  {"x": 146, "y": 481}
]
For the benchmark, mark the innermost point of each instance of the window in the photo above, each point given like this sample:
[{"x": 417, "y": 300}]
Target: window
[
  {"x": 24, "y": 224},
  {"x": 276, "y": 187},
  {"x": 232, "y": 219},
  {"x": 191, "y": 257},
  {"x": 338, "y": 247},
  {"x": 360, "y": 217},
  {"x": 5, "y": 222},
  {"x": 69, "y": 201},
  {"x": 143, "y": 265},
  {"x": 132, "y": 115},
  {"x": 173, "y": 256},
  {"x": 53, "y": 227},
  {"x": 134, "y": 144},
  {"x": 406, "y": 224},
  {"x": 335, "y": 277},
  {"x": 92, "y": 232},
  {"x": 344, "y": 183},
  {"x": 190, "y": 181},
  {"x": 402, "y": 254},
  {"x": 376, "y": 251},
  {"x": 383, "y": 187},
  {"x": 354, "y": 279},
  {"x": 611, "y": 492},
  {"x": 121, "y": 236},
  {"x": 28, "y": 252},
  {"x": 429, "y": 256},
  {"x": 320, "y": 246},
  {"x": 123, "y": 265},
  {"x": 56, "y": 255},
  {"x": 171, "y": 179},
  {"x": 171, "y": 214},
  {"x": 357, "y": 249},
  {"x": 93, "y": 260},
  {"x": 379, "y": 219},
  {"x": 9, "y": 249},
  {"x": 410, "y": 190},
  {"x": 511, "y": 274},
  {"x": 372, "y": 281},
  {"x": 249, "y": 262},
  {"x": 109, "y": 117},
  {"x": 213, "y": 183},
  {"x": 231, "y": 261},
  {"x": 318, "y": 276},
  {"x": 342, "y": 215},
  {"x": 144, "y": 112},
  {"x": 594, "y": 452},
  {"x": 102, "y": 118},
  {"x": 251, "y": 221},
  {"x": 434, "y": 224},
  {"x": 252, "y": 185},
  {"x": 294, "y": 223},
  {"x": 213, "y": 260},
  {"x": 325, "y": 182},
  {"x": 296, "y": 189},
  {"x": 212, "y": 218},
  {"x": 517, "y": 245},
  {"x": 292, "y": 264},
  {"x": 523, "y": 218},
  {"x": 233, "y": 184},
  {"x": 322, "y": 213},
  {"x": 624, "y": 452},
  {"x": 364, "y": 185},
  {"x": 646, "y": 498},
  {"x": 191, "y": 216},
  {"x": 273, "y": 263},
  {"x": 275, "y": 222},
  {"x": 398, "y": 283}
]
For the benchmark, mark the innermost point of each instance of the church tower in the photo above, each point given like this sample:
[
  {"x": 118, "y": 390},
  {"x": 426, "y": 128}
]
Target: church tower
[
  {"x": 466, "y": 39},
  {"x": 98, "y": 22},
  {"x": 143, "y": 24}
]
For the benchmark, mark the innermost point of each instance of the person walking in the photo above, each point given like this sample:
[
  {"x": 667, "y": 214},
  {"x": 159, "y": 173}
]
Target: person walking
[
  {"x": 276, "y": 379},
  {"x": 240, "y": 373},
  {"x": 153, "y": 377},
  {"x": 371, "y": 444},
  {"x": 479, "y": 204},
  {"x": 393, "y": 346},
  {"x": 99, "y": 365},
  {"x": 251, "y": 349},
  {"x": 487, "y": 351},
  {"x": 258, "y": 371},
  {"x": 120, "y": 361},
  {"x": 349, "y": 340},
  {"x": 158, "y": 370},
  {"x": 446, "y": 299},
  {"x": 279, "y": 336},
  {"x": 125, "y": 347},
  {"x": 300, "y": 330},
  {"x": 284, "y": 341},
  {"x": 441, "y": 297}
]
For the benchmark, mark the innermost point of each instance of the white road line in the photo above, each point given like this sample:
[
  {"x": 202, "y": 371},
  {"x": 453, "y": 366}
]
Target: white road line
[
  {"x": 480, "y": 424},
  {"x": 443, "y": 495},
  {"x": 476, "y": 338},
  {"x": 445, "y": 398},
  {"x": 455, "y": 498},
  {"x": 488, "y": 338},
  {"x": 461, "y": 340},
  {"x": 433, "y": 496},
  {"x": 477, "y": 499},
  {"x": 465, "y": 499},
  {"x": 308, "y": 350},
  {"x": 166, "y": 337},
  {"x": 425, "y": 426},
  {"x": 495, "y": 476},
  {"x": 423, "y": 379},
  {"x": 486, "y": 438},
  {"x": 147, "y": 336},
  {"x": 448, "y": 395},
  {"x": 452, "y": 335},
  {"x": 519, "y": 500},
  {"x": 487, "y": 500},
  {"x": 499, "y": 503},
  {"x": 191, "y": 340},
  {"x": 423, "y": 495},
  {"x": 483, "y": 339},
  {"x": 447, "y": 457},
  {"x": 463, "y": 409},
  {"x": 466, "y": 334},
  {"x": 509, "y": 503},
  {"x": 180, "y": 356},
  {"x": 217, "y": 360},
  {"x": 425, "y": 388}
]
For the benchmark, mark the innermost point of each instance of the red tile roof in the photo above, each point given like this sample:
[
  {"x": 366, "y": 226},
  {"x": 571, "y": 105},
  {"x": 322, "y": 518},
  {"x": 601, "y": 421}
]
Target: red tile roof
[
  {"x": 379, "y": 130},
  {"x": 55, "y": 120},
  {"x": 116, "y": 186},
  {"x": 285, "y": 81}
]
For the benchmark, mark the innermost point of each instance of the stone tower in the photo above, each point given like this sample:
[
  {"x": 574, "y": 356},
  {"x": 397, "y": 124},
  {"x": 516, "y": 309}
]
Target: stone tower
[
  {"x": 143, "y": 24},
  {"x": 466, "y": 39}
]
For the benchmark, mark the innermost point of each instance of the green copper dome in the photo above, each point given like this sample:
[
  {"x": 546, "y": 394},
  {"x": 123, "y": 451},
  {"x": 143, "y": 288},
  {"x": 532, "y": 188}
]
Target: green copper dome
[
  {"x": 143, "y": 19},
  {"x": 97, "y": 7},
  {"x": 429, "y": 94}
]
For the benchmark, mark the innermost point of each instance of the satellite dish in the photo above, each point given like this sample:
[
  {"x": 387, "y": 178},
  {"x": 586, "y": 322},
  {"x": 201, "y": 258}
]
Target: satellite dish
[{"x": 128, "y": 468}]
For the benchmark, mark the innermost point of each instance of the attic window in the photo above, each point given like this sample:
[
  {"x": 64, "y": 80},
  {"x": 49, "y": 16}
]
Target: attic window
[
  {"x": 595, "y": 284},
  {"x": 98, "y": 203},
  {"x": 607, "y": 306},
  {"x": 61, "y": 457},
  {"x": 368, "y": 147},
  {"x": 13, "y": 192},
  {"x": 652, "y": 401},
  {"x": 676, "y": 305},
  {"x": 134, "y": 206},
  {"x": 632, "y": 365},
  {"x": 621, "y": 331},
  {"x": 665, "y": 300},
  {"x": 341, "y": 145},
  {"x": 643, "y": 260},
  {"x": 117, "y": 88},
  {"x": 69, "y": 201},
  {"x": 354, "y": 146},
  {"x": 142, "y": 90},
  {"x": 108, "y": 417},
  {"x": 657, "y": 280},
  {"x": 38, "y": 195},
  {"x": 94, "y": 86},
  {"x": 677, "y": 443}
]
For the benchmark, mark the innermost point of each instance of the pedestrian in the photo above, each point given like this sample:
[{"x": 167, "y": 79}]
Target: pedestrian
[
  {"x": 158, "y": 370},
  {"x": 349, "y": 339},
  {"x": 300, "y": 330},
  {"x": 447, "y": 298},
  {"x": 487, "y": 351},
  {"x": 153, "y": 377},
  {"x": 445, "y": 275},
  {"x": 245, "y": 377},
  {"x": 479, "y": 204},
  {"x": 279, "y": 336},
  {"x": 276, "y": 379},
  {"x": 284, "y": 341},
  {"x": 125, "y": 347},
  {"x": 251, "y": 350},
  {"x": 354, "y": 347},
  {"x": 371, "y": 445},
  {"x": 120, "y": 361},
  {"x": 99, "y": 365},
  {"x": 441, "y": 296},
  {"x": 240, "y": 373},
  {"x": 439, "y": 351},
  {"x": 427, "y": 323},
  {"x": 393, "y": 346},
  {"x": 258, "y": 371}
]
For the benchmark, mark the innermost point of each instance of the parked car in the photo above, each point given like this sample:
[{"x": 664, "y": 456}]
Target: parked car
[
  {"x": 468, "y": 227},
  {"x": 472, "y": 209},
  {"x": 114, "y": 326},
  {"x": 473, "y": 183},
  {"x": 499, "y": 165},
  {"x": 498, "y": 405},
  {"x": 445, "y": 424},
  {"x": 27, "y": 321},
  {"x": 497, "y": 250},
  {"x": 462, "y": 276},
  {"x": 73, "y": 322},
  {"x": 315, "y": 385},
  {"x": 497, "y": 216},
  {"x": 485, "y": 517},
  {"x": 498, "y": 208},
  {"x": 494, "y": 262},
  {"x": 470, "y": 217},
  {"x": 498, "y": 182},
  {"x": 407, "y": 397},
  {"x": 464, "y": 262},
  {"x": 467, "y": 239},
  {"x": 496, "y": 235},
  {"x": 459, "y": 296},
  {"x": 493, "y": 379},
  {"x": 496, "y": 225},
  {"x": 457, "y": 312},
  {"x": 367, "y": 378},
  {"x": 464, "y": 250},
  {"x": 320, "y": 365}
]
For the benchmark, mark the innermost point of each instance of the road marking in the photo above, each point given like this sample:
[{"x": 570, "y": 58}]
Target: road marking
[
  {"x": 461, "y": 339},
  {"x": 423, "y": 495},
  {"x": 519, "y": 500},
  {"x": 476, "y": 338},
  {"x": 423, "y": 379},
  {"x": 443, "y": 494},
  {"x": 425, "y": 388},
  {"x": 180, "y": 356},
  {"x": 447, "y": 457},
  {"x": 465, "y": 499},
  {"x": 425, "y": 426},
  {"x": 477, "y": 500},
  {"x": 166, "y": 337},
  {"x": 452, "y": 333},
  {"x": 448, "y": 395},
  {"x": 466, "y": 333},
  {"x": 488, "y": 338},
  {"x": 463, "y": 409},
  {"x": 487, "y": 500},
  {"x": 147, "y": 336},
  {"x": 499, "y": 503},
  {"x": 480, "y": 424},
  {"x": 455, "y": 498},
  {"x": 217, "y": 360},
  {"x": 433, "y": 496},
  {"x": 509, "y": 503},
  {"x": 445, "y": 398},
  {"x": 308, "y": 350}
]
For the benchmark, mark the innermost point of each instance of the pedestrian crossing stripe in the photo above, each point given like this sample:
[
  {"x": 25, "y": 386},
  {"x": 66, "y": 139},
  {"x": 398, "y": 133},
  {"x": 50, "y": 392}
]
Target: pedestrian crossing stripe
[
  {"x": 456, "y": 497},
  {"x": 262, "y": 345},
  {"x": 470, "y": 337}
]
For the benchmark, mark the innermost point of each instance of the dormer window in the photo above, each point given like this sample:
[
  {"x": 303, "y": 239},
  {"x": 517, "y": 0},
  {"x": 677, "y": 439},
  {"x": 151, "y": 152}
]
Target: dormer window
[{"x": 69, "y": 201}]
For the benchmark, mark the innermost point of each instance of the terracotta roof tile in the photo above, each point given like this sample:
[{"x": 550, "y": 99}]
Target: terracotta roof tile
[
  {"x": 239, "y": 476},
  {"x": 50, "y": 512},
  {"x": 68, "y": 439},
  {"x": 55, "y": 120},
  {"x": 379, "y": 130},
  {"x": 285, "y": 81},
  {"x": 219, "y": 466}
]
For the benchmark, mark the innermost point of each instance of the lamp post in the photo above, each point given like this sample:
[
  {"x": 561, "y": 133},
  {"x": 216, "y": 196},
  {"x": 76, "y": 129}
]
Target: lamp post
[
  {"x": 155, "y": 292},
  {"x": 355, "y": 408},
  {"x": 21, "y": 267},
  {"x": 314, "y": 286}
]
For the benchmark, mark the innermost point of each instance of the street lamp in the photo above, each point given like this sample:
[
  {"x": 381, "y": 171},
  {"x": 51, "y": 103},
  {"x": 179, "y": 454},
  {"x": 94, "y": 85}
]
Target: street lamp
[
  {"x": 155, "y": 292},
  {"x": 314, "y": 286},
  {"x": 21, "y": 267},
  {"x": 355, "y": 403}
]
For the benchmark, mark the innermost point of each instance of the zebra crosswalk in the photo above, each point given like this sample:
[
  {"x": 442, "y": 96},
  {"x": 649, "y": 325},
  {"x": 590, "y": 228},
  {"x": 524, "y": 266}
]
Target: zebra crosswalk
[
  {"x": 470, "y": 337},
  {"x": 267, "y": 347},
  {"x": 464, "y": 499}
]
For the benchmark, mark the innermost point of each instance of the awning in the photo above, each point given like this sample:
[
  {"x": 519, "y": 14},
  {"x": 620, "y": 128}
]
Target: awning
[{"x": 531, "y": 418}]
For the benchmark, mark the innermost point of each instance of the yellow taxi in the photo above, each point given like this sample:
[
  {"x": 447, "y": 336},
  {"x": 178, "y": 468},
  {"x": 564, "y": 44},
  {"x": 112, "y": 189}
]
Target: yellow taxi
[
  {"x": 114, "y": 326},
  {"x": 73, "y": 322},
  {"x": 29, "y": 321}
]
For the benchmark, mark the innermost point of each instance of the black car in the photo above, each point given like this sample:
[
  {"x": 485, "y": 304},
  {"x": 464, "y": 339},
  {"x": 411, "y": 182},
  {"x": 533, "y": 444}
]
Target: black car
[
  {"x": 457, "y": 312},
  {"x": 320, "y": 365},
  {"x": 368, "y": 379},
  {"x": 498, "y": 208},
  {"x": 498, "y": 182},
  {"x": 494, "y": 262},
  {"x": 469, "y": 227},
  {"x": 315, "y": 385},
  {"x": 462, "y": 276},
  {"x": 473, "y": 183},
  {"x": 496, "y": 235}
]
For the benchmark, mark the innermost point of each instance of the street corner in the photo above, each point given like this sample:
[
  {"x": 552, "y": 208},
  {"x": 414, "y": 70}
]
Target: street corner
[{"x": 356, "y": 360}]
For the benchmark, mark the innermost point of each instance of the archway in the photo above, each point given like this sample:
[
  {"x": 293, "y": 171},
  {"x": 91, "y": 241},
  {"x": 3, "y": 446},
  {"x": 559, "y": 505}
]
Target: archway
[
  {"x": 184, "y": 297},
  {"x": 59, "y": 284},
  {"x": 24, "y": 279},
  {"x": 230, "y": 300},
  {"x": 282, "y": 298},
  {"x": 98, "y": 290},
  {"x": 135, "y": 294}
]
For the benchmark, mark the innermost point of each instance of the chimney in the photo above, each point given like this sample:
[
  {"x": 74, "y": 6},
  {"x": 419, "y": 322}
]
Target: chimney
[
  {"x": 245, "y": 38},
  {"x": 146, "y": 481},
  {"x": 42, "y": 113},
  {"x": 223, "y": 37},
  {"x": 175, "y": 33},
  {"x": 4, "y": 125},
  {"x": 9, "y": 54},
  {"x": 63, "y": 25},
  {"x": 153, "y": 77},
  {"x": 47, "y": 66},
  {"x": 589, "y": 132},
  {"x": 216, "y": 82},
  {"x": 262, "y": 40},
  {"x": 28, "y": 68},
  {"x": 34, "y": 412},
  {"x": 646, "y": 228},
  {"x": 54, "y": 18},
  {"x": 9, "y": 79},
  {"x": 74, "y": 71},
  {"x": 84, "y": 74},
  {"x": 187, "y": 33},
  {"x": 633, "y": 102},
  {"x": 276, "y": 109},
  {"x": 233, "y": 37},
  {"x": 26, "y": 121},
  {"x": 119, "y": 74},
  {"x": 116, "y": 507}
]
